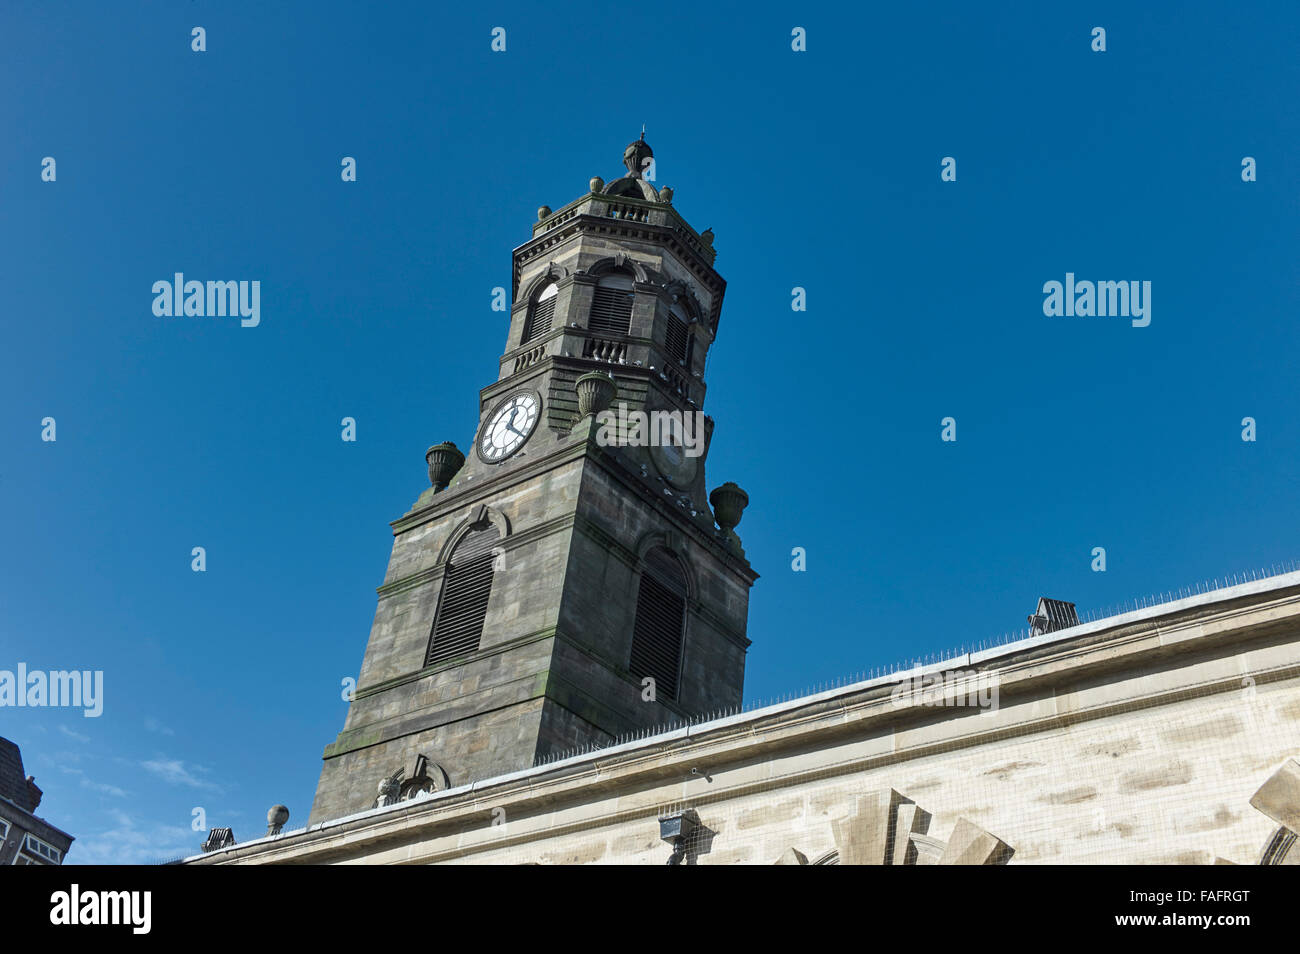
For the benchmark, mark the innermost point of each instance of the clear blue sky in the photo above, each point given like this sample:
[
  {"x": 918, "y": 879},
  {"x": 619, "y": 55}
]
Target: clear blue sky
[{"x": 817, "y": 169}]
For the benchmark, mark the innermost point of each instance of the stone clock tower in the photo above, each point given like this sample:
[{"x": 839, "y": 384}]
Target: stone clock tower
[{"x": 562, "y": 581}]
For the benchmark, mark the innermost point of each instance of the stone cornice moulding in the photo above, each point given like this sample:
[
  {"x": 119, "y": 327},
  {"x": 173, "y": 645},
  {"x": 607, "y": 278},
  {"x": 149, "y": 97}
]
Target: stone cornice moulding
[
  {"x": 485, "y": 652},
  {"x": 550, "y": 632},
  {"x": 470, "y": 495},
  {"x": 616, "y": 668},
  {"x": 737, "y": 565},
  {"x": 587, "y": 224}
]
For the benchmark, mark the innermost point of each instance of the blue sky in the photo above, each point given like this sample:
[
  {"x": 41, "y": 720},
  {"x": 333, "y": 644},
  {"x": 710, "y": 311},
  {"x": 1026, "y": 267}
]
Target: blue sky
[{"x": 818, "y": 169}]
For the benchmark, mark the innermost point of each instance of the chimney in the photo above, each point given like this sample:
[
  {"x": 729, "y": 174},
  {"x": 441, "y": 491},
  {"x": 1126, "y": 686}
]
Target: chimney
[
  {"x": 1052, "y": 615},
  {"x": 33, "y": 793}
]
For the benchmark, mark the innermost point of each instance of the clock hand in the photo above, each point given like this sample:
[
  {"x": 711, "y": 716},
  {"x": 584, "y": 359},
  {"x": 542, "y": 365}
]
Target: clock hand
[{"x": 510, "y": 424}]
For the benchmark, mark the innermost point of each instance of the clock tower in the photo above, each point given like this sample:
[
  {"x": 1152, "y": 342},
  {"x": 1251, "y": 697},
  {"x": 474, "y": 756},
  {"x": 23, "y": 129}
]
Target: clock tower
[{"x": 567, "y": 578}]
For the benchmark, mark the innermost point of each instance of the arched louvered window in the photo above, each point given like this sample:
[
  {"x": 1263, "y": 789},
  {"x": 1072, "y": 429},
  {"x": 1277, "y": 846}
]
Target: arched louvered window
[
  {"x": 540, "y": 314},
  {"x": 465, "y": 591},
  {"x": 680, "y": 342},
  {"x": 660, "y": 621},
  {"x": 611, "y": 306}
]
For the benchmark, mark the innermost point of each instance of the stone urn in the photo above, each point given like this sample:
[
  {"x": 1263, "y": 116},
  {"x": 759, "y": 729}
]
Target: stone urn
[
  {"x": 543, "y": 212},
  {"x": 596, "y": 183},
  {"x": 596, "y": 392},
  {"x": 729, "y": 503},
  {"x": 666, "y": 195},
  {"x": 444, "y": 461}
]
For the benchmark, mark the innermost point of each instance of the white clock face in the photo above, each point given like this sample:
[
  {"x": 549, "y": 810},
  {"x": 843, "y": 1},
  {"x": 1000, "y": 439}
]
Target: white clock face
[{"x": 509, "y": 427}]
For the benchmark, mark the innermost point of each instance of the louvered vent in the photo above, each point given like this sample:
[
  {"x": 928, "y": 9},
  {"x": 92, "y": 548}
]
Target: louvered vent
[
  {"x": 465, "y": 592},
  {"x": 678, "y": 344},
  {"x": 541, "y": 315},
  {"x": 1053, "y": 615},
  {"x": 660, "y": 618},
  {"x": 611, "y": 311}
]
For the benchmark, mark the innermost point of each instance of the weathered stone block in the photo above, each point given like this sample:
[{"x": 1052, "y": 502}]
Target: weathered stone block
[
  {"x": 969, "y": 844},
  {"x": 865, "y": 835},
  {"x": 1279, "y": 797}
]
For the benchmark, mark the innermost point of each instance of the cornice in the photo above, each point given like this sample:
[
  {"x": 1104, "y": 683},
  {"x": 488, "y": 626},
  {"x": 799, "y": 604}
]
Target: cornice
[
  {"x": 467, "y": 494},
  {"x": 462, "y": 496},
  {"x": 486, "y": 652},
  {"x": 738, "y": 565},
  {"x": 587, "y": 224}
]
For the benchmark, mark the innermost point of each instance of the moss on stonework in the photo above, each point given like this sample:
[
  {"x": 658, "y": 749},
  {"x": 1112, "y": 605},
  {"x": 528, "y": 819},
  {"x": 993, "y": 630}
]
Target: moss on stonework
[{"x": 353, "y": 740}]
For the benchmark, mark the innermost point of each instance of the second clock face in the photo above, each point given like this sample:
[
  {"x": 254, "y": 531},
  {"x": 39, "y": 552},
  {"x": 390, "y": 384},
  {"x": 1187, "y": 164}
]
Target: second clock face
[
  {"x": 672, "y": 462},
  {"x": 508, "y": 428}
]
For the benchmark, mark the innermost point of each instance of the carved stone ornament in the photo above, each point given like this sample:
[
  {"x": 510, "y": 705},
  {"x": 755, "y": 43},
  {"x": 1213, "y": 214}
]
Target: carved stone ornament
[
  {"x": 426, "y": 778},
  {"x": 444, "y": 461},
  {"x": 595, "y": 393},
  {"x": 389, "y": 788},
  {"x": 729, "y": 503}
]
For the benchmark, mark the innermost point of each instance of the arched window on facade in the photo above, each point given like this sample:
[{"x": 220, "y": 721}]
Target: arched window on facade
[
  {"x": 458, "y": 625},
  {"x": 660, "y": 622},
  {"x": 541, "y": 314},
  {"x": 611, "y": 305}
]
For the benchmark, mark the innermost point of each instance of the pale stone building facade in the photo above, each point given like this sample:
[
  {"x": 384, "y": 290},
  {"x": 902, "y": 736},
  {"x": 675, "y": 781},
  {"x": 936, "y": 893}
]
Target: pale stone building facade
[{"x": 551, "y": 592}]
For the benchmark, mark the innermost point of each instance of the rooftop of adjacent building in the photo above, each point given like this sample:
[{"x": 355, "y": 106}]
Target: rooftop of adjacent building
[
  {"x": 15, "y": 786},
  {"x": 36, "y": 840},
  {"x": 982, "y": 654}
]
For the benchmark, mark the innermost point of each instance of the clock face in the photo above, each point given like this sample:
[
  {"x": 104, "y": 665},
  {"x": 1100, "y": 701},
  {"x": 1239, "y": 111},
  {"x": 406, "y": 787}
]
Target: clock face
[
  {"x": 672, "y": 462},
  {"x": 509, "y": 426}
]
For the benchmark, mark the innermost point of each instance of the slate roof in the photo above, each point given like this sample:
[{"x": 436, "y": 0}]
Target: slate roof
[{"x": 13, "y": 781}]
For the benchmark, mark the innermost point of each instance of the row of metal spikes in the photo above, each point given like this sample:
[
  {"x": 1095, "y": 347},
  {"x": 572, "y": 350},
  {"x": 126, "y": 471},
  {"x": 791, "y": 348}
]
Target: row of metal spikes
[{"x": 1128, "y": 606}]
